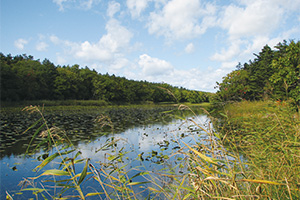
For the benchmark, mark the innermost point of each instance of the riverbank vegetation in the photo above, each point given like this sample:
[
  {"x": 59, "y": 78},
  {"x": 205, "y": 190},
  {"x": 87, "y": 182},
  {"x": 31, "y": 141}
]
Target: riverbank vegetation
[
  {"x": 267, "y": 135},
  {"x": 253, "y": 154},
  {"x": 273, "y": 74}
]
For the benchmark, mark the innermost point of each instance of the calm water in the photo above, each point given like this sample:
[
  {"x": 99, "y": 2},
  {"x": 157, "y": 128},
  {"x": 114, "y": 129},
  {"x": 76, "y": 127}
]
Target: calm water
[{"x": 150, "y": 136}]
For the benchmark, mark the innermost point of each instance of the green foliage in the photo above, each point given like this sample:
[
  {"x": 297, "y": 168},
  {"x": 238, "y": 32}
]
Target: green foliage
[
  {"x": 234, "y": 85},
  {"x": 23, "y": 78},
  {"x": 286, "y": 79},
  {"x": 272, "y": 74}
]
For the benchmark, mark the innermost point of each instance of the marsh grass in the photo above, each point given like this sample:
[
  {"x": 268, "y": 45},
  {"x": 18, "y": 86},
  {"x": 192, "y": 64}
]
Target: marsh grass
[
  {"x": 256, "y": 156},
  {"x": 268, "y": 135}
]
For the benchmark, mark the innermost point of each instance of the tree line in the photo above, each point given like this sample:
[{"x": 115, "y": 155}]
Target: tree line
[
  {"x": 274, "y": 73},
  {"x": 24, "y": 78}
]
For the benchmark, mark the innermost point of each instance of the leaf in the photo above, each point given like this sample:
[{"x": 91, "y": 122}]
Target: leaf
[
  {"x": 46, "y": 161},
  {"x": 261, "y": 181},
  {"x": 202, "y": 156},
  {"x": 37, "y": 190},
  {"x": 54, "y": 172},
  {"x": 138, "y": 183},
  {"x": 35, "y": 134},
  {"x": 55, "y": 181},
  {"x": 83, "y": 173},
  {"x": 50, "y": 158},
  {"x": 8, "y": 196},
  {"x": 153, "y": 189},
  {"x": 139, "y": 174},
  {"x": 187, "y": 196},
  {"x": 93, "y": 194}
]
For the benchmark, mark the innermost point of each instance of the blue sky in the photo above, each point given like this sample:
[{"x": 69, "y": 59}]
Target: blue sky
[{"x": 188, "y": 43}]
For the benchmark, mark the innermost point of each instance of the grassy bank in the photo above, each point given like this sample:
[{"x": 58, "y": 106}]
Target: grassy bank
[
  {"x": 82, "y": 105},
  {"x": 268, "y": 135}
]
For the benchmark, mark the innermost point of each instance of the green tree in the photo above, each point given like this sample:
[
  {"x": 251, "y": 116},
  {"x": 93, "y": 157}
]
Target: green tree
[
  {"x": 9, "y": 81},
  {"x": 67, "y": 83},
  {"x": 286, "y": 79},
  {"x": 87, "y": 89},
  {"x": 234, "y": 86},
  {"x": 260, "y": 71}
]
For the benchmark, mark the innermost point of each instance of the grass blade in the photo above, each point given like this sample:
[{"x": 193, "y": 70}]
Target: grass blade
[
  {"x": 83, "y": 173},
  {"x": 261, "y": 181}
]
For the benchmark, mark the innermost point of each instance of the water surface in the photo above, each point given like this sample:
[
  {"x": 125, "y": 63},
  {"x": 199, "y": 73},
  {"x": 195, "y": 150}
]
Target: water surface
[{"x": 151, "y": 138}]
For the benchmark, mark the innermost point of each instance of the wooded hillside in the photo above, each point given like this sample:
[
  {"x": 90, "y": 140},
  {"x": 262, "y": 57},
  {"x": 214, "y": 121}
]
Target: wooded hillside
[
  {"x": 274, "y": 73},
  {"x": 23, "y": 78}
]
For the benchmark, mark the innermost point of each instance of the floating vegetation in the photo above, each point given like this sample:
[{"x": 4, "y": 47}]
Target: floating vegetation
[
  {"x": 89, "y": 131},
  {"x": 80, "y": 125}
]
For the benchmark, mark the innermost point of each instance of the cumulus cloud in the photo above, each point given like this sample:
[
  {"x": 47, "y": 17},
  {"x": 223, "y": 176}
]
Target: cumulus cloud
[
  {"x": 228, "y": 53},
  {"x": 250, "y": 25},
  {"x": 190, "y": 48},
  {"x": 258, "y": 17},
  {"x": 180, "y": 19},
  {"x": 118, "y": 64},
  {"x": 113, "y": 8},
  {"x": 41, "y": 46},
  {"x": 20, "y": 43},
  {"x": 137, "y": 6},
  {"x": 110, "y": 44},
  {"x": 154, "y": 66}
]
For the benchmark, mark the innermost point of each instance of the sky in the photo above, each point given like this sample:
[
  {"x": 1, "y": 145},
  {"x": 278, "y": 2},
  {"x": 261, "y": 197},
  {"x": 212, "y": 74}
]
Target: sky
[{"x": 185, "y": 43}]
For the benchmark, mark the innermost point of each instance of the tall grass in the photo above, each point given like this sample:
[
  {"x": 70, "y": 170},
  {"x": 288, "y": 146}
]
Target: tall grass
[
  {"x": 254, "y": 156},
  {"x": 267, "y": 134}
]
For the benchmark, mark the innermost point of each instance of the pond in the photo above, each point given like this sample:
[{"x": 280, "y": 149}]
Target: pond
[{"x": 148, "y": 138}]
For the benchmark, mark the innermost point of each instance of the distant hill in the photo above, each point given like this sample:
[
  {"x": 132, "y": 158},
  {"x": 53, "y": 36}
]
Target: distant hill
[{"x": 23, "y": 78}]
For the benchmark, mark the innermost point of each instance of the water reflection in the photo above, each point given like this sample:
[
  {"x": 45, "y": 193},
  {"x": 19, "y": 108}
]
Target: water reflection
[
  {"x": 148, "y": 143},
  {"x": 80, "y": 125}
]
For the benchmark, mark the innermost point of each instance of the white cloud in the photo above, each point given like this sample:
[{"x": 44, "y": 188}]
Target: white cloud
[
  {"x": 87, "y": 4},
  {"x": 41, "y": 46},
  {"x": 179, "y": 19},
  {"x": 60, "y": 4},
  {"x": 54, "y": 39},
  {"x": 80, "y": 4},
  {"x": 190, "y": 48},
  {"x": 118, "y": 64},
  {"x": 109, "y": 45},
  {"x": 226, "y": 54},
  {"x": 113, "y": 8},
  {"x": 250, "y": 25},
  {"x": 154, "y": 66},
  {"x": 61, "y": 60},
  {"x": 106, "y": 54},
  {"x": 88, "y": 51},
  {"x": 20, "y": 43},
  {"x": 259, "y": 17},
  {"x": 137, "y": 6},
  {"x": 117, "y": 36}
]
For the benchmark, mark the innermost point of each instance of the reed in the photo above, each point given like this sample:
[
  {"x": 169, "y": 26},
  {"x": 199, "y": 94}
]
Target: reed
[
  {"x": 254, "y": 154},
  {"x": 267, "y": 134}
]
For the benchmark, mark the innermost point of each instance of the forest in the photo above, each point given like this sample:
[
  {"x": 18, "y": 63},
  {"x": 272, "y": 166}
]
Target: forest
[
  {"x": 273, "y": 74},
  {"x": 24, "y": 78}
]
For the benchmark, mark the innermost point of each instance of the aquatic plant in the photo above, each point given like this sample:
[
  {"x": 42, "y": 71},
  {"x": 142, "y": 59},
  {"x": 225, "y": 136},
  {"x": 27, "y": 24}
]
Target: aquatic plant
[{"x": 224, "y": 165}]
